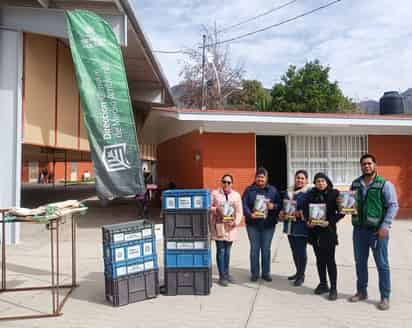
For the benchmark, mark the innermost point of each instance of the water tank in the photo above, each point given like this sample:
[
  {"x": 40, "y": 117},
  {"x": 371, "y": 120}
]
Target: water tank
[{"x": 391, "y": 103}]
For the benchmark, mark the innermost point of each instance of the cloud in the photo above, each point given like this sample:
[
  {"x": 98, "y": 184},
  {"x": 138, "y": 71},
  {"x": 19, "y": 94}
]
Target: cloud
[{"x": 367, "y": 44}]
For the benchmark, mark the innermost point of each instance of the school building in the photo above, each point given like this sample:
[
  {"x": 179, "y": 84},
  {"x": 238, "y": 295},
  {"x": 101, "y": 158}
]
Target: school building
[
  {"x": 195, "y": 148},
  {"x": 41, "y": 116}
]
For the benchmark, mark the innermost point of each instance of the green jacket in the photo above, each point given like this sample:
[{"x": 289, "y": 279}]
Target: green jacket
[{"x": 371, "y": 208}]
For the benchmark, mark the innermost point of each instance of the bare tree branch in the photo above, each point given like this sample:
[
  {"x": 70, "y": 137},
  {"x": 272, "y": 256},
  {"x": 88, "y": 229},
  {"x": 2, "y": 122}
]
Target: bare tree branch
[{"x": 230, "y": 76}]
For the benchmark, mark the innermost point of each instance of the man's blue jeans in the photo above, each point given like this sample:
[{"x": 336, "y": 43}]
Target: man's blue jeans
[
  {"x": 260, "y": 242},
  {"x": 363, "y": 240},
  {"x": 223, "y": 248}
]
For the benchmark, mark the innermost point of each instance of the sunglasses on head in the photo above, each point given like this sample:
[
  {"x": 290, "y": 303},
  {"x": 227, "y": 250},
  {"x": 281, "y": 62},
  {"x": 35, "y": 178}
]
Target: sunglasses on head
[{"x": 226, "y": 182}]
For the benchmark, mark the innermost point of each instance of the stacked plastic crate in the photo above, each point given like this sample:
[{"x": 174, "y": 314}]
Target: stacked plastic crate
[
  {"x": 130, "y": 261},
  {"x": 187, "y": 254}
]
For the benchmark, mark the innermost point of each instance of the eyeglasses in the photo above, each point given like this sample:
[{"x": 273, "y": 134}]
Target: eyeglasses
[{"x": 226, "y": 182}]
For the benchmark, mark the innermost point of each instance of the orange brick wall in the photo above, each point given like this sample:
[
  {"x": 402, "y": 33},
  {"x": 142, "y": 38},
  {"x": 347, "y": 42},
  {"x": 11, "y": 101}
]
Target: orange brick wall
[
  {"x": 220, "y": 153},
  {"x": 395, "y": 164},
  {"x": 177, "y": 161},
  {"x": 82, "y": 167},
  {"x": 228, "y": 153}
]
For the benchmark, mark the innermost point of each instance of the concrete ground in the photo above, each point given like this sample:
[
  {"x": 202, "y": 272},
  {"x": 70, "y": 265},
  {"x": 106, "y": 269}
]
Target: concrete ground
[{"x": 244, "y": 304}]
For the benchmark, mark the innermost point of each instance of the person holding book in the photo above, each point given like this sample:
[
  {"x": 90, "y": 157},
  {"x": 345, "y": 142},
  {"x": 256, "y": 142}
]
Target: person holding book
[
  {"x": 226, "y": 215},
  {"x": 377, "y": 206},
  {"x": 295, "y": 225},
  {"x": 261, "y": 205},
  {"x": 322, "y": 211}
]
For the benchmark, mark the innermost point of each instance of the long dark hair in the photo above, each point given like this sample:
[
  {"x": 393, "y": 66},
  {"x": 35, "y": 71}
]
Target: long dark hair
[{"x": 321, "y": 175}]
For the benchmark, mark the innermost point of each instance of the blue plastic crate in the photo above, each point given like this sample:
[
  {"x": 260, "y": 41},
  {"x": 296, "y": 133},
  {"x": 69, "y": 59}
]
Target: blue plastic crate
[
  {"x": 129, "y": 251},
  {"x": 127, "y": 232},
  {"x": 184, "y": 199},
  {"x": 121, "y": 269},
  {"x": 188, "y": 245},
  {"x": 188, "y": 258}
]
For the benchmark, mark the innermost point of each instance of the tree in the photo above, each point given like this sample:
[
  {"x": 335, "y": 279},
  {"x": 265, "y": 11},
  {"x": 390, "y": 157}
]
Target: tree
[
  {"x": 221, "y": 77},
  {"x": 308, "y": 89},
  {"x": 252, "y": 96}
]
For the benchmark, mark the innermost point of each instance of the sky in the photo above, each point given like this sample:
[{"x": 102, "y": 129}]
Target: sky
[{"x": 366, "y": 43}]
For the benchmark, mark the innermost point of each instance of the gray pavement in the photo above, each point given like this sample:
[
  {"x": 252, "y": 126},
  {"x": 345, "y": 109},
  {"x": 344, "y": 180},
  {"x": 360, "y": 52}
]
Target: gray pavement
[{"x": 244, "y": 304}]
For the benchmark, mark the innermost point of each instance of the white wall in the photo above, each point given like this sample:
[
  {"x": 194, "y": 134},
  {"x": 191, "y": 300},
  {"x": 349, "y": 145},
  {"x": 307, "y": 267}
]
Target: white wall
[{"x": 10, "y": 124}]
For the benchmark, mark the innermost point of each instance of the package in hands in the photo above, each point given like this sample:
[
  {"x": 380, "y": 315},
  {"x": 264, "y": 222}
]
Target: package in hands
[
  {"x": 348, "y": 202},
  {"x": 317, "y": 213},
  {"x": 289, "y": 207},
  {"x": 228, "y": 211},
  {"x": 260, "y": 207}
]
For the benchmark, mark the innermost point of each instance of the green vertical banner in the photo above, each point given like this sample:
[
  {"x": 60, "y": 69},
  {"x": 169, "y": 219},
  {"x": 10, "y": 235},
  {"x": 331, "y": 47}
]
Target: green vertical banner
[{"x": 107, "y": 108}]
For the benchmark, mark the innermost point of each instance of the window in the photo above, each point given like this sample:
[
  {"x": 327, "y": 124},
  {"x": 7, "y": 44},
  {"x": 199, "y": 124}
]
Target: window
[{"x": 337, "y": 156}]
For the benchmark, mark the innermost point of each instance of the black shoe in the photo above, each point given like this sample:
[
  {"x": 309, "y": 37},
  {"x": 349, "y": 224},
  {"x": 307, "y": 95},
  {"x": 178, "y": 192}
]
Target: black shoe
[
  {"x": 231, "y": 279},
  {"x": 321, "y": 289},
  {"x": 266, "y": 277},
  {"x": 299, "y": 281},
  {"x": 254, "y": 278},
  {"x": 223, "y": 282},
  {"x": 293, "y": 277},
  {"x": 333, "y": 294}
]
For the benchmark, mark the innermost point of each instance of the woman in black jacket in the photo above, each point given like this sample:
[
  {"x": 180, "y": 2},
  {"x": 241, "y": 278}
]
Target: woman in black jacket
[{"x": 323, "y": 236}]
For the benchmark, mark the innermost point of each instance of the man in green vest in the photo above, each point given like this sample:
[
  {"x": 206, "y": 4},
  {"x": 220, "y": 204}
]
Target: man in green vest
[{"x": 377, "y": 206}]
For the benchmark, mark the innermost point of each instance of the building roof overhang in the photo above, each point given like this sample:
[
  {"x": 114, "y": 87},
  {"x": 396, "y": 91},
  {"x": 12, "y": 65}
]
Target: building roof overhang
[
  {"x": 166, "y": 123},
  {"x": 147, "y": 83}
]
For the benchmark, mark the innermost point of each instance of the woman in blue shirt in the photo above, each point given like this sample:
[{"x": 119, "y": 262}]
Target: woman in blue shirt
[
  {"x": 296, "y": 228},
  {"x": 261, "y": 205}
]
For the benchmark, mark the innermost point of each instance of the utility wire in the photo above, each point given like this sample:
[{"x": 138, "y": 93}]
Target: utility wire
[
  {"x": 171, "y": 52},
  {"x": 256, "y": 17},
  {"x": 176, "y": 52},
  {"x": 242, "y": 36}
]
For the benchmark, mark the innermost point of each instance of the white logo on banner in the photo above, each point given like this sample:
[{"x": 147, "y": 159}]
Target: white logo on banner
[
  {"x": 91, "y": 40},
  {"x": 114, "y": 158}
]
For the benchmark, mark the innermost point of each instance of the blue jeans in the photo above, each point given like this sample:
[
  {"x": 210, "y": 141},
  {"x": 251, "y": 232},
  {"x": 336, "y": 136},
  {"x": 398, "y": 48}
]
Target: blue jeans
[
  {"x": 299, "y": 253},
  {"x": 363, "y": 240},
  {"x": 260, "y": 242},
  {"x": 223, "y": 248}
]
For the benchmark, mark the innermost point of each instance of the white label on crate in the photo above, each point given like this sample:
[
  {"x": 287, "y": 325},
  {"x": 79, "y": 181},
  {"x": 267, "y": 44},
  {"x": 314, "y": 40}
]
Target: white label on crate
[
  {"x": 197, "y": 202},
  {"x": 200, "y": 245},
  {"x": 133, "y": 252},
  {"x": 147, "y": 233},
  {"x": 118, "y": 237},
  {"x": 133, "y": 236},
  {"x": 121, "y": 271},
  {"x": 119, "y": 254},
  {"x": 185, "y": 202},
  {"x": 148, "y": 265},
  {"x": 170, "y": 202},
  {"x": 159, "y": 231},
  {"x": 147, "y": 249},
  {"x": 185, "y": 245},
  {"x": 135, "y": 268},
  {"x": 171, "y": 245}
]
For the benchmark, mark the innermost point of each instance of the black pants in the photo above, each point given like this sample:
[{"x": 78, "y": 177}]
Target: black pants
[{"x": 325, "y": 261}]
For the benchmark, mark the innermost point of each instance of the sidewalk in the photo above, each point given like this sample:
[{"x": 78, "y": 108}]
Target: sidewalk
[{"x": 245, "y": 304}]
